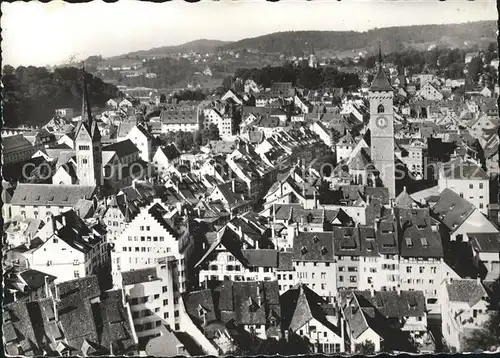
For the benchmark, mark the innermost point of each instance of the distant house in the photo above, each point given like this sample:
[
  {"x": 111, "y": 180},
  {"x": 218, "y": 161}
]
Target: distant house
[
  {"x": 429, "y": 92},
  {"x": 165, "y": 156}
]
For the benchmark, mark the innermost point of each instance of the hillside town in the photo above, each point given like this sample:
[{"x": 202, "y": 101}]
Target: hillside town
[{"x": 260, "y": 220}]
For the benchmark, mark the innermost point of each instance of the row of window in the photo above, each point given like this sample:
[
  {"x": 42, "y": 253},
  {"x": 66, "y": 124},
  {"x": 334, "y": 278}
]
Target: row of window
[
  {"x": 146, "y": 238},
  {"x": 421, "y": 269}
]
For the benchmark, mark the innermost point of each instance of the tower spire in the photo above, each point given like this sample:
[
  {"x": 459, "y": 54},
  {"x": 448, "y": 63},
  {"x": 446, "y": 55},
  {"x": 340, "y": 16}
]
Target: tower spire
[
  {"x": 380, "y": 53},
  {"x": 86, "y": 112}
]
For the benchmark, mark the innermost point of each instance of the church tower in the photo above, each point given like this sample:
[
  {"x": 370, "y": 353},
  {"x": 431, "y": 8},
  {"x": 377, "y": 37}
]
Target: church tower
[
  {"x": 88, "y": 145},
  {"x": 381, "y": 97}
]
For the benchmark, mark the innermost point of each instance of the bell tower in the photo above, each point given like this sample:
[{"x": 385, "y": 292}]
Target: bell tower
[
  {"x": 381, "y": 95},
  {"x": 88, "y": 145}
]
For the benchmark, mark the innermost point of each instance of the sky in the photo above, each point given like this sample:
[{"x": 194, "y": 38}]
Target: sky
[{"x": 46, "y": 34}]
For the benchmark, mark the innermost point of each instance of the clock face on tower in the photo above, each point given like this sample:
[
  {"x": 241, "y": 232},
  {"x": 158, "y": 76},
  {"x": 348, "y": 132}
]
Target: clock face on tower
[{"x": 381, "y": 122}]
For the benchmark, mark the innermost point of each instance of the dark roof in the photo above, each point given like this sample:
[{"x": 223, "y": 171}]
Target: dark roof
[
  {"x": 393, "y": 304},
  {"x": 139, "y": 276},
  {"x": 313, "y": 246},
  {"x": 381, "y": 82},
  {"x": 301, "y": 305},
  {"x": 35, "y": 279},
  {"x": 347, "y": 241},
  {"x": 451, "y": 209},
  {"x": 261, "y": 258},
  {"x": 485, "y": 242},
  {"x": 48, "y": 194},
  {"x": 463, "y": 170},
  {"x": 285, "y": 262},
  {"x": 418, "y": 239},
  {"x": 122, "y": 148},
  {"x": 468, "y": 290}
]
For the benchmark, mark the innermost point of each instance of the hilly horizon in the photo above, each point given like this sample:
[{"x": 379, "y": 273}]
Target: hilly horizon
[{"x": 334, "y": 42}]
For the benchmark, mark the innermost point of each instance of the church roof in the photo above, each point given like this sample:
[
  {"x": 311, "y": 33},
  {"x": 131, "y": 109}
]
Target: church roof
[{"x": 381, "y": 82}]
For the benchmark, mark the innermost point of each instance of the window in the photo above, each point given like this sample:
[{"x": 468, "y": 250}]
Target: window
[
  {"x": 142, "y": 228},
  {"x": 471, "y": 186},
  {"x": 481, "y": 205},
  {"x": 323, "y": 275},
  {"x": 380, "y": 108},
  {"x": 164, "y": 289},
  {"x": 155, "y": 297},
  {"x": 176, "y": 313},
  {"x": 147, "y": 228},
  {"x": 165, "y": 302},
  {"x": 165, "y": 315},
  {"x": 76, "y": 274},
  {"x": 353, "y": 279},
  {"x": 408, "y": 269},
  {"x": 341, "y": 278},
  {"x": 480, "y": 185}
]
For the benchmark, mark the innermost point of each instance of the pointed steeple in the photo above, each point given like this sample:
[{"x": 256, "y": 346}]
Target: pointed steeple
[
  {"x": 380, "y": 54},
  {"x": 381, "y": 82},
  {"x": 86, "y": 112}
]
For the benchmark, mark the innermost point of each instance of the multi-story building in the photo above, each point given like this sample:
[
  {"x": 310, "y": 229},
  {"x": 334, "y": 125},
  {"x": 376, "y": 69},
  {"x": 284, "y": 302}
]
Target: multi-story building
[
  {"x": 43, "y": 200},
  {"x": 464, "y": 309},
  {"x": 153, "y": 298},
  {"x": 348, "y": 252},
  {"x": 314, "y": 262},
  {"x": 468, "y": 180},
  {"x": 70, "y": 249},
  {"x": 152, "y": 235},
  {"x": 421, "y": 263},
  {"x": 310, "y": 316}
]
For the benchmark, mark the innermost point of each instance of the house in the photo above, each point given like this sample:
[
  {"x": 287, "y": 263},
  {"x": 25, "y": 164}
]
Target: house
[
  {"x": 309, "y": 316},
  {"x": 165, "y": 157},
  {"x": 428, "y": 91},
  {"x": 324, "y": 133},
  {"x": 458, "y": 217},
  {"x": 486, "y": 254},
  {"x": 344, "y": 147},
  {"x": 467, "y": 179},
  {"x": 153, "y": 302},
  {"x": 187, "y": 120},
  {"x": 42, "y": 200},
  {"x": 17, "y": 149},
  {"x": 21, "y": 231},
  {"x": 392, "y": 320},
  {"x": 239, "y": 253},
  {"x": 74, "y": 318},
  {"x": 70, "y": 250},
  {"x": 144, "y": 141},
  {"x": 314, "y": 262},
  {"x": 138, "y": 245},
  {"x": 421, "y": 263},
  {"x": 464, "y": 307}
]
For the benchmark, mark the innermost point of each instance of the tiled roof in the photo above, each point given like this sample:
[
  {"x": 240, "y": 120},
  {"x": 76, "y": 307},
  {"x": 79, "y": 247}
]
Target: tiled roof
[
  {"x": 467, "y": 290},
  {"x": 122, "y": 148},
  {"x": 451, "y": 209},
  {"x": 485, "y": 242},
  {"x": 301, "y": 305},
  {"x": 457, "y": 169},
  {"x": 313, "y": 246},
  {"x": 48, "y": 194},
  {"x": 381, "y": 82},
  {"x": 393, "y": 304},
  {"x": 35, "y": 279},
  {"x": 139, "y": 276},
  {"x": 261, "y": 257},
  {"x": 15, "y": 143},
  {"x": 418, "y": 239},
  {"x": 285, "y": 261}
]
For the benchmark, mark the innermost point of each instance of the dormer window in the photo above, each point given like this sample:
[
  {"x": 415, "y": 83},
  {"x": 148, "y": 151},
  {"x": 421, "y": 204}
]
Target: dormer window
[
  {"x": 380, "y": 108},
  {"x": 408, "y": 241},
  {"x": 323, "y": 250},
  {"x": 316, "y": 239},
  {"x": 303, "y": 250},
  {"x": 424, "y": 242}
]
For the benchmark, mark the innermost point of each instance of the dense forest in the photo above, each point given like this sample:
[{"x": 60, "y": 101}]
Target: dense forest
[
  {"x": 393, "y": 38},
  {"x": 303, "y": 76},
  {"x": 31, "y": 94}
]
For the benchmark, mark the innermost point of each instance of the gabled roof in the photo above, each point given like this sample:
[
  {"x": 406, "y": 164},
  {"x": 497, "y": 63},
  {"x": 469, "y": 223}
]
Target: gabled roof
[
  {"x": 301, "y": 305},
  {"x": 313, "y": 246},
  {"x": 48, "y": 194},
  {"x": 485, "y": 242},
  {"x": 467, "y": 290},
  {"x": 122, "y": 148},
  {"x": 451, "y": 209}
]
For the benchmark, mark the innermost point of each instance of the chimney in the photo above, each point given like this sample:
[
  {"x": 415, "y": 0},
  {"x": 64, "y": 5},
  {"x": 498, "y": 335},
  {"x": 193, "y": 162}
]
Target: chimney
[
  {"x": 375, "y": 223},
  {"x": 259, "y": 298},
  {"x": 233, "y": 186},
  {"x": 399, "y": 290},
  {"x": 64, "y": 220},
  {"x": 368, "y": 199},
  {"x": 372, "y": 291},
  {"x": 404, "y": 189},
  {"x": 56, "y": 289},
  {"x": 14, "y": 294},
  {"x": 111, "y": 349},
  {"x": 47, "y": 288},
  {"x": 150, "y": 277},
  {"x": 281, "y": 188},
  {"x": 478, "y": 279},
  {"x": 204, "y": 318}
]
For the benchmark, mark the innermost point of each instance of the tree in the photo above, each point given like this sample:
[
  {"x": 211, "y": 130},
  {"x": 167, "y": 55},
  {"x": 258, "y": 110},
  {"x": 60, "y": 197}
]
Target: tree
[
  {"x": 366, "y": 348},
  {"x": 474, "y": 68},
  {"x": 487, "y": 338},
  {"x": 213, "y": 132}
]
